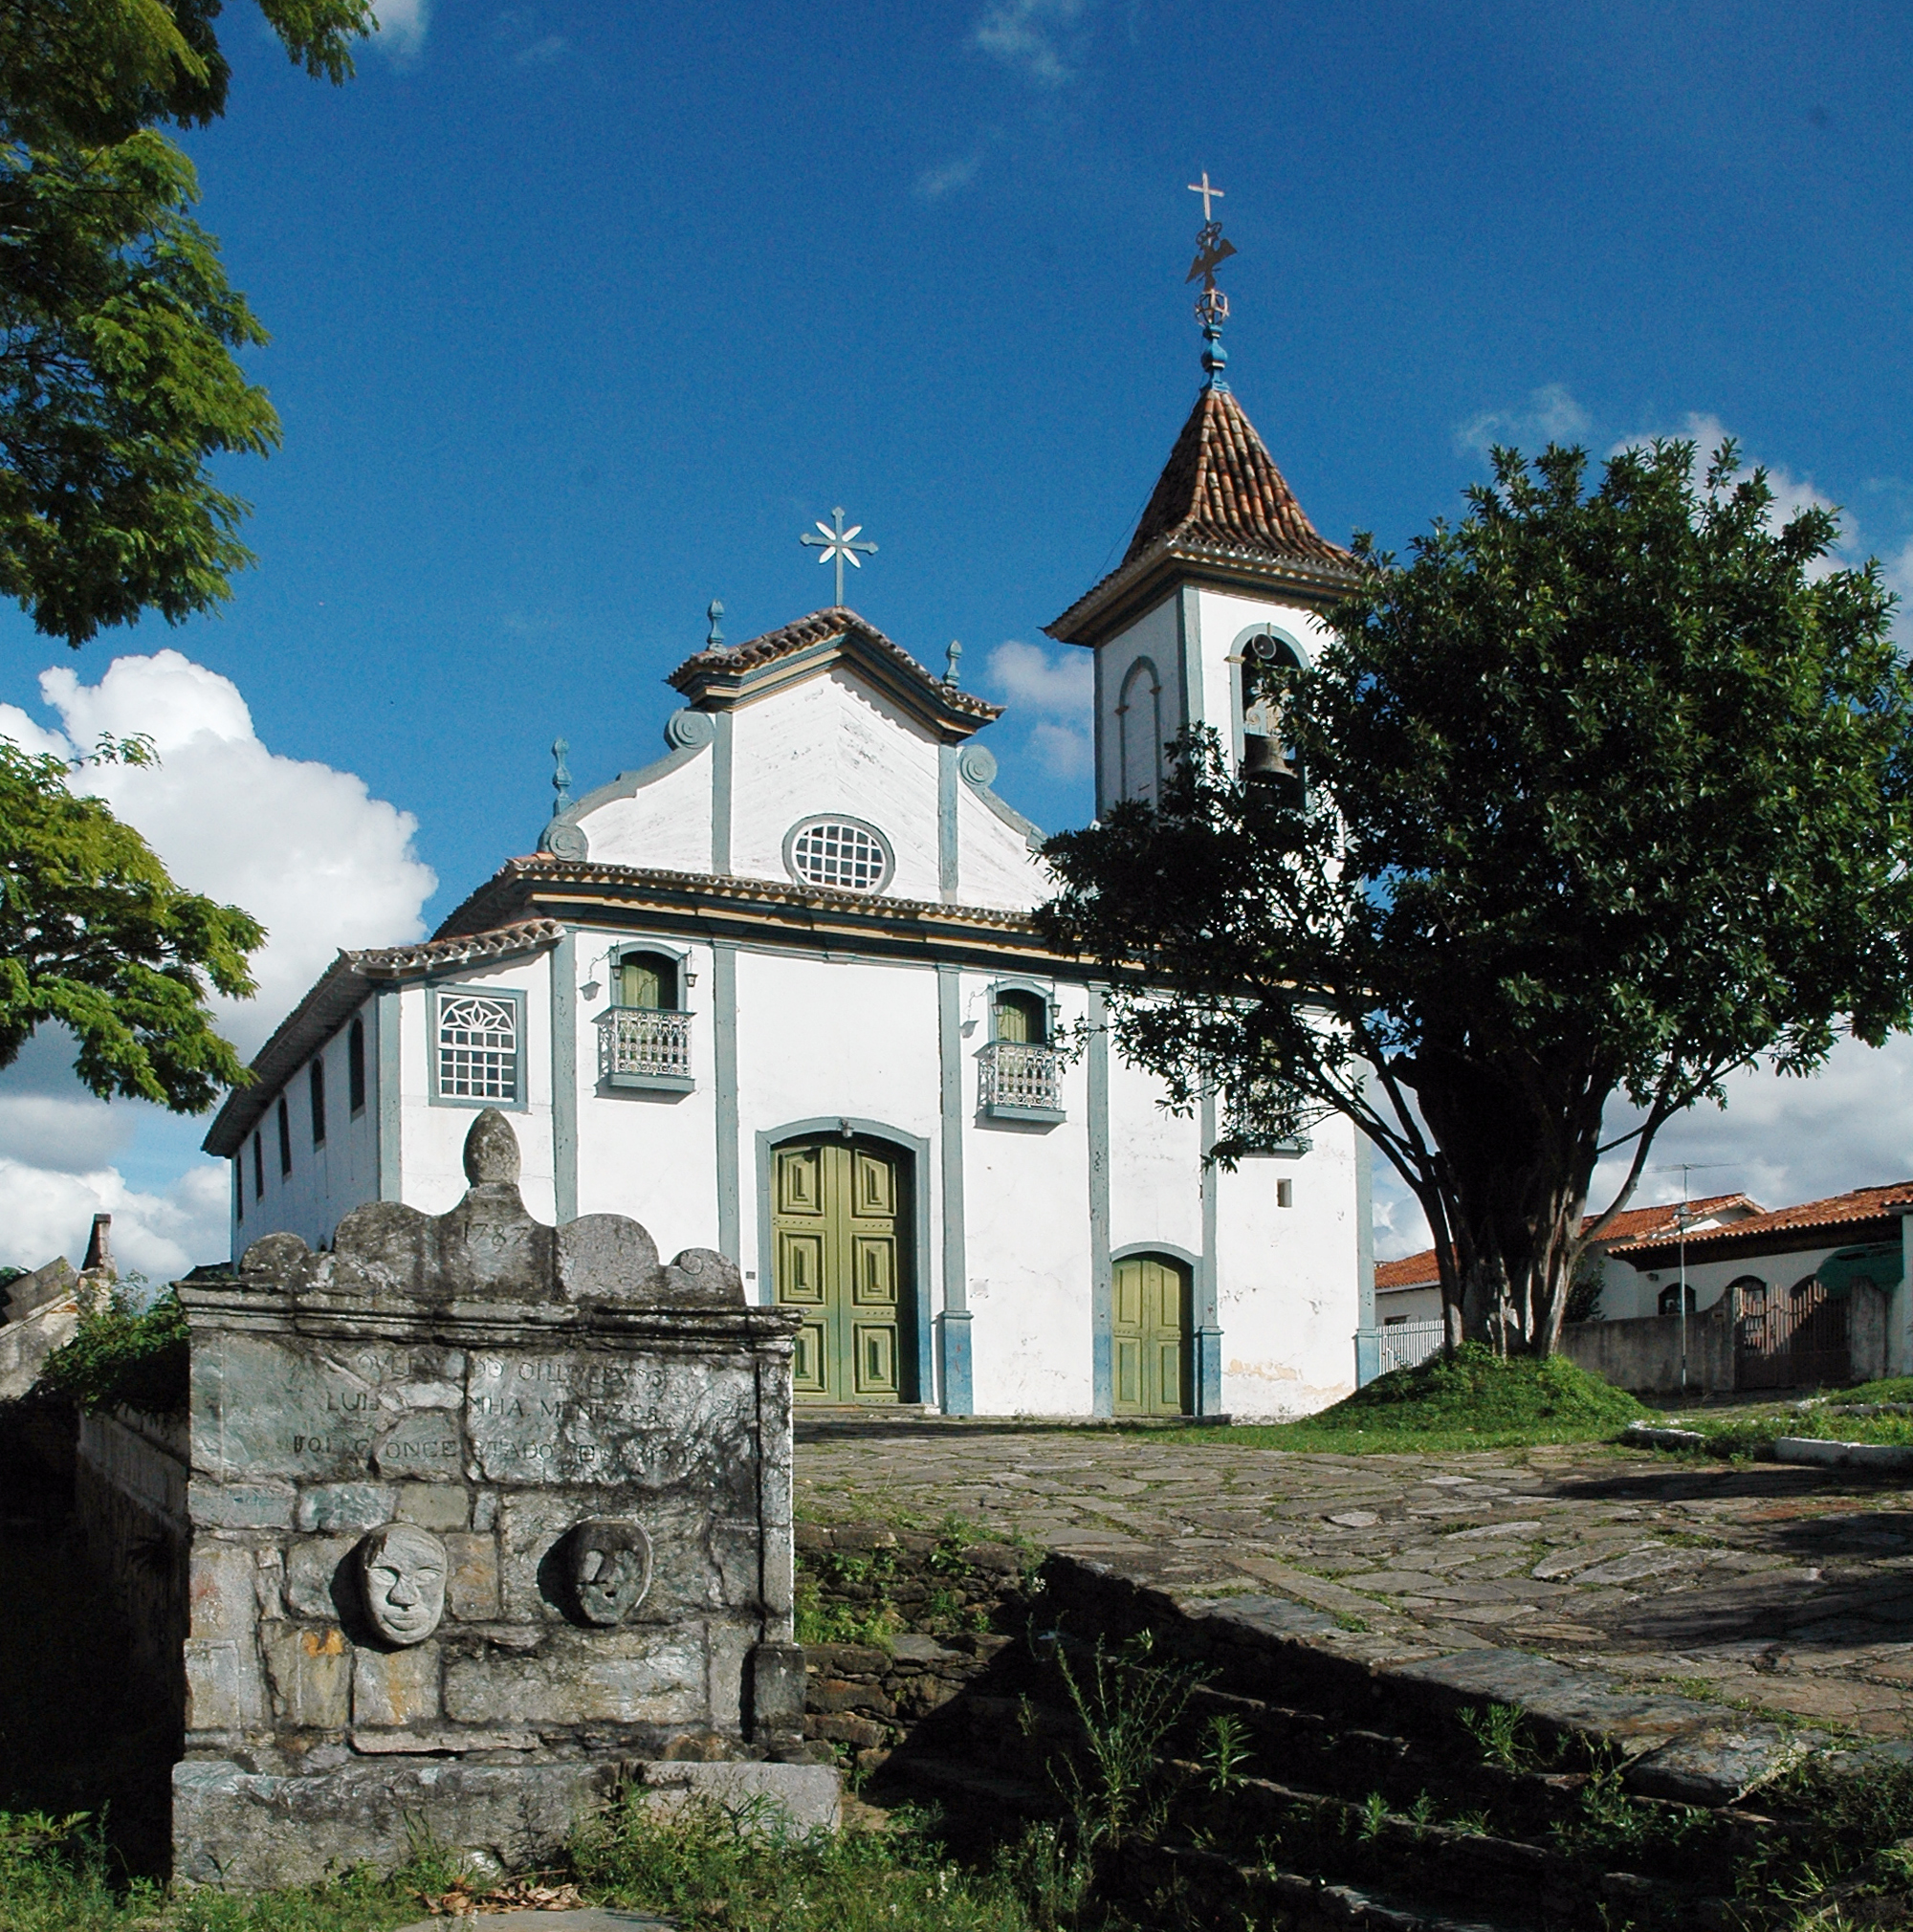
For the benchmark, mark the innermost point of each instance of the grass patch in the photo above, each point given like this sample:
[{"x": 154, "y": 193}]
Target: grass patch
[{"x": 1473, "y": 1399}]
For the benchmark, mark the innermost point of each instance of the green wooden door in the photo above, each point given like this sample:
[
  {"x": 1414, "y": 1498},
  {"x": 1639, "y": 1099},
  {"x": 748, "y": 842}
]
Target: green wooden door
[
  {"x": 1152, "y": 1337},
  {"x": 838, "y": 1214}
]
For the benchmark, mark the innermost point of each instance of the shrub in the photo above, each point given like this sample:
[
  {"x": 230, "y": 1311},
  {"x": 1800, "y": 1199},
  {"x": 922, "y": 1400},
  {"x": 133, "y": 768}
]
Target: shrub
[{"x": 124, "y": 1356}]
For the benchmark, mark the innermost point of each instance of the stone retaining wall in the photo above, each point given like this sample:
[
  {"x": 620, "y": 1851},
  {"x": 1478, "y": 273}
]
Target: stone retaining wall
[{"x": 951, "y": 1608}]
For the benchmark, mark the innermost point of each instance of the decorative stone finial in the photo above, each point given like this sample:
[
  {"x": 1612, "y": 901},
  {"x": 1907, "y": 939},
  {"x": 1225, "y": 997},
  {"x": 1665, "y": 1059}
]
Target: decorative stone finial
[
  {"x": 952, "y": 659},
  {"x": 492, "y": 1150},
  {"x": 714, "y": 636},
  {"x": 561, "y": 777}
]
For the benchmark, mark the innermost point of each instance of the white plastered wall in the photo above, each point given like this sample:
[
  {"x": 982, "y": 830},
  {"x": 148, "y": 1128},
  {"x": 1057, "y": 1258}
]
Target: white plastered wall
[
  {"x": 1154, "y": 636},
  {"x": 665, "y": 824},
  {"x": 327, "y": 1181},
  {"x": 828, "y": 745},
  {"x": 995, "y": 865},
  {"x": 432, "y": 1135},
  {"x": 1627, "y": 1291},
  {"x": 1026, "y": 1250}
]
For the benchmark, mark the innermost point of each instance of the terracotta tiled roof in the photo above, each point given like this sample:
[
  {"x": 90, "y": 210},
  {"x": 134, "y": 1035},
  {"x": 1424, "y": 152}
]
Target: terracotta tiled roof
[
  {"x": 1630, "y": 1225},
  {"x": 1220, "y": 486},
  {"x": 1777, "y": 1228},
  {"x": 820, "y": 627}
]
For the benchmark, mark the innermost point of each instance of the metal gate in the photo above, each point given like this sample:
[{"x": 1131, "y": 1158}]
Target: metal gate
[{"x": 1792, "y": 1338}]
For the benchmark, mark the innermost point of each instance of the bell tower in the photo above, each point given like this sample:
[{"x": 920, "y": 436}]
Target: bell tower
[{"x": 1217, "y": 600}]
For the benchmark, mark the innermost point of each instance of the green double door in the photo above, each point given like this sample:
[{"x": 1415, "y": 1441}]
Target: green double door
[
  {"x": 1152, "y": 1337},
  {"x": 839, "y": 1213}
]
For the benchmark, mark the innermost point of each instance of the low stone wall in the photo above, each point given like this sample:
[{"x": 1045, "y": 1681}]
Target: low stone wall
[
  {"x": 1644, "y": 1353},
  {"x": 914, "y": 1621},
  {"x": 129, "y": 1512}
]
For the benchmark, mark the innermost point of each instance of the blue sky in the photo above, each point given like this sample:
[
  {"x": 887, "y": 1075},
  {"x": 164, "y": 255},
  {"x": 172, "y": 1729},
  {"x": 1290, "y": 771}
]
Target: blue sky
[{"x": 582, "y": 312}]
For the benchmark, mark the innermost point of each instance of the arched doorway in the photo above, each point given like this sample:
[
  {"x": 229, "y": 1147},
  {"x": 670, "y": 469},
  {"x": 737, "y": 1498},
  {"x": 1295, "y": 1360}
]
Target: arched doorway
[
  {"x": 1152, "y": 1337},
  {"x": 841, "y": 1221}
]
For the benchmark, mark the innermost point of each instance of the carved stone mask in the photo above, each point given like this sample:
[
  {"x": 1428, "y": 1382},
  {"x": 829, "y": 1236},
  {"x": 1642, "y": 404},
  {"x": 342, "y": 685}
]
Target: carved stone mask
[
  {"x": 610, "y": 1567},
  {"x": 403, "y": 1570}
]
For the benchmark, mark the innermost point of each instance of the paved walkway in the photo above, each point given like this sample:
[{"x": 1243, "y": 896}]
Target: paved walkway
[{"x": 1770, "y": 1589}]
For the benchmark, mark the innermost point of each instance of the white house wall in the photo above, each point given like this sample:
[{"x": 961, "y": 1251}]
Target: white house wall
[
  {"x": 1153, "y": 635},
  {"x": 327, "y": 1179},
  {"x": 828, "y": 745},
  {"x": 1707, "y": 1280},
  {"x": 995, "y": 865},
  {"x": 665, "y": 824},
  {"x": 1285, "y": 1292}
]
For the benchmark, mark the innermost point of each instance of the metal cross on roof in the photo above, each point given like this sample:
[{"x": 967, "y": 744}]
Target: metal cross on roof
[
  {"x": 835, "y": 546},
  {"x": 1208, "y": 195}
]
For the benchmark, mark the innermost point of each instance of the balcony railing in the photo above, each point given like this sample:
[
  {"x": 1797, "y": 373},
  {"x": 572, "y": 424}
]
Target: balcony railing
[
  {"x": 648, "y": 1046},
  {"x": 1021, "y": 1082}
]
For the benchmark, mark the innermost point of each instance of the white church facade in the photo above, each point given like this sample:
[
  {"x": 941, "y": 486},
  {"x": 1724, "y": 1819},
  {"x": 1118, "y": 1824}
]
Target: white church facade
[{"x": 781, "y": 992}]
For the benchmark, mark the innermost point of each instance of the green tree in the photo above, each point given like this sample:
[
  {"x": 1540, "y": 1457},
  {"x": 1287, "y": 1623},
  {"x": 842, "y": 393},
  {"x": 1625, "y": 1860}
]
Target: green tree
[
  {"x": 94, "y": 936},
  {"x": 1607, "y": 795},
  {"x": 119, "y": 377}
]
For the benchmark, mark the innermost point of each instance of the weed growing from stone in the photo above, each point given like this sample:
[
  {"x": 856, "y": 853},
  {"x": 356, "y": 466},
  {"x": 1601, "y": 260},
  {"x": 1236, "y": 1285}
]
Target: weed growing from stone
[
  {"x": 1498, "y": 1729},
  {"x": 1224, "y": 1750}
]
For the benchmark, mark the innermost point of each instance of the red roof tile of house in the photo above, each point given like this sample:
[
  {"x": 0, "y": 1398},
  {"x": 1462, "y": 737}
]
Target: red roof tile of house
[
  {"x": 1630, "y": 1225},
  {"x": 1835, "y": 1211}
]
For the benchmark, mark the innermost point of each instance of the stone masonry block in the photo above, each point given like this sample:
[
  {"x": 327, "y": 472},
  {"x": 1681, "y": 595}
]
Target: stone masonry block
[
  {"x": 311, "y": 1565},
  {"x": 347, "y": 1506},
  {"x": 622, "y": 1678},
  {"x": 395, "y": 1687},
  {"x": 242, "y": 1506},
  {"x": 433, "y": 1505},
  {"x": 472, "y": 1588},
  {"x": 311, "y": 1674},
  {"x": 223, "y": 1687}
]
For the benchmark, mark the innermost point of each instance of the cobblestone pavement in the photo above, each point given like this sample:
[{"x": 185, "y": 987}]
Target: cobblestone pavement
[{"x": 1775, "y": 1589}]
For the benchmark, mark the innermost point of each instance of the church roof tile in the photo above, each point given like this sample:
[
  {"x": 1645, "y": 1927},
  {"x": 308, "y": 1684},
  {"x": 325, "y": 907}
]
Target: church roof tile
[
  {"x": 722, "y": 663},
  {"x": 1223, "y": 506}
]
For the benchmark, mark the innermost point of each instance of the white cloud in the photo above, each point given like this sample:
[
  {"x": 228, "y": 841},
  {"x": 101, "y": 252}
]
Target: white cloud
[
  {"x": 402, "y": 28},
  {"x": 305, "y": 848},
  {"x": 542, "y": 53},
  {"x": 1024, "y": 35},
  {"x": 46, "y": 1212},
  {"x": 934, "y": 183},
  {"x": 1060, "y": 684},
  {"x": 1059, "y": 689},
  {"x": 1551, "y": 416}
]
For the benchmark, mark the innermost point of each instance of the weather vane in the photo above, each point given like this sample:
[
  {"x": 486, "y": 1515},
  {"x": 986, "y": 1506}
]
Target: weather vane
[
  {"x": 1212, "y": 305},
  {"x": 836, "y": 545}
]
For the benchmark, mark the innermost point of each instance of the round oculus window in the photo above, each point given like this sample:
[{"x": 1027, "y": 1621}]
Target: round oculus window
[{"x": 843, "y": 854}]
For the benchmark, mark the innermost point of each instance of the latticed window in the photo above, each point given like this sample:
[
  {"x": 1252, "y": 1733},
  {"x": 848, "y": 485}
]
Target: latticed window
[
  {"x": 840, "y": 853},
  {"x": 477, "y": 1047}
]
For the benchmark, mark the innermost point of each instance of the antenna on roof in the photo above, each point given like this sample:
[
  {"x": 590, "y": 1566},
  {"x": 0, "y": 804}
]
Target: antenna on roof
[{"x": 1212, "y": 305}]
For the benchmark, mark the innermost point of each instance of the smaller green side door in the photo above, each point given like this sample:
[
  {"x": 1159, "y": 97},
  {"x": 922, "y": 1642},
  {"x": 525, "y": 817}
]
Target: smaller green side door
[{"x": 1152, "y": 1337}]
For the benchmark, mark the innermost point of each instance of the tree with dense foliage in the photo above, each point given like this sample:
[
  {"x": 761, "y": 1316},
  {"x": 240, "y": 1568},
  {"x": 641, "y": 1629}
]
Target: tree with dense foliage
[
  {"x": 118, "y": 379},
  {"x": 94, "y": 936},
  {"x": 1604, "y": 795}
]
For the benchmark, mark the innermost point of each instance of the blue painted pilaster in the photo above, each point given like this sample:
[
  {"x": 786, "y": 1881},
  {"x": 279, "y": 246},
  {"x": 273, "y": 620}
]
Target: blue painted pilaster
[
  {"x": 720, "y": 797},
  {"x": 1101, "y": 1271},
  {"x": 953, "y": 1323},
  {"x": 392, "y": 1069},
  {"x": 1209, "y": 1337},
  {"x": 724, "y": 1045},
  {"x": 564, "y": 1078},
  {"x": 946, "y": 819}
]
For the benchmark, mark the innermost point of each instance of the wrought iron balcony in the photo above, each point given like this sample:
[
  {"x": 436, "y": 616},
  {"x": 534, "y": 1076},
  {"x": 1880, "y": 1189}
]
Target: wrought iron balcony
[
  {"x": 1021, "y": 1082},
  {"x": 647, "y": 1046}
]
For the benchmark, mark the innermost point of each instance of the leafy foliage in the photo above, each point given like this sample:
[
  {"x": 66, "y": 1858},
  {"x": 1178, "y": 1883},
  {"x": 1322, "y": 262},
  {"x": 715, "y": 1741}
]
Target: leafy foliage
[
  {"x": 96, "y": 937},
  {"x": 123, "y": 1356},
  {"x": 119, "y": 377},
  {"x": 1608, "y": 797}
]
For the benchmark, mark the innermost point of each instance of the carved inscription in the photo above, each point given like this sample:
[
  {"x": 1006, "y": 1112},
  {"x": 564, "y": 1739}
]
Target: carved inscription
[{"x": 592, "y": 1419}]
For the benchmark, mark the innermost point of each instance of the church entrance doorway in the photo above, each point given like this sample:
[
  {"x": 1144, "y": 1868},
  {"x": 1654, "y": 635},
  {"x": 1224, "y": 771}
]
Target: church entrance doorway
[
  {"x": 841, "y": 1220},
  {"x": 1151, "y": 1336}
]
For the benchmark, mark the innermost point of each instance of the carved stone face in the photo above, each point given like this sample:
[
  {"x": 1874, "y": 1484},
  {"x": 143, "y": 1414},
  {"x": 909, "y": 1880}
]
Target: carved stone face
[
  {"x": 403, "y": 1570},
  {"x": 610, "y": 1565}
]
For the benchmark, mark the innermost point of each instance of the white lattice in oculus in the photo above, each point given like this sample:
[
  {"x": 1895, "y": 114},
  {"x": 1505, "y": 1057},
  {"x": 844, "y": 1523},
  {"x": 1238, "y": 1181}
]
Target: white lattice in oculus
[
  {"x": 840, "y": 853},
  {"x": 477, "y": 1047}
]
